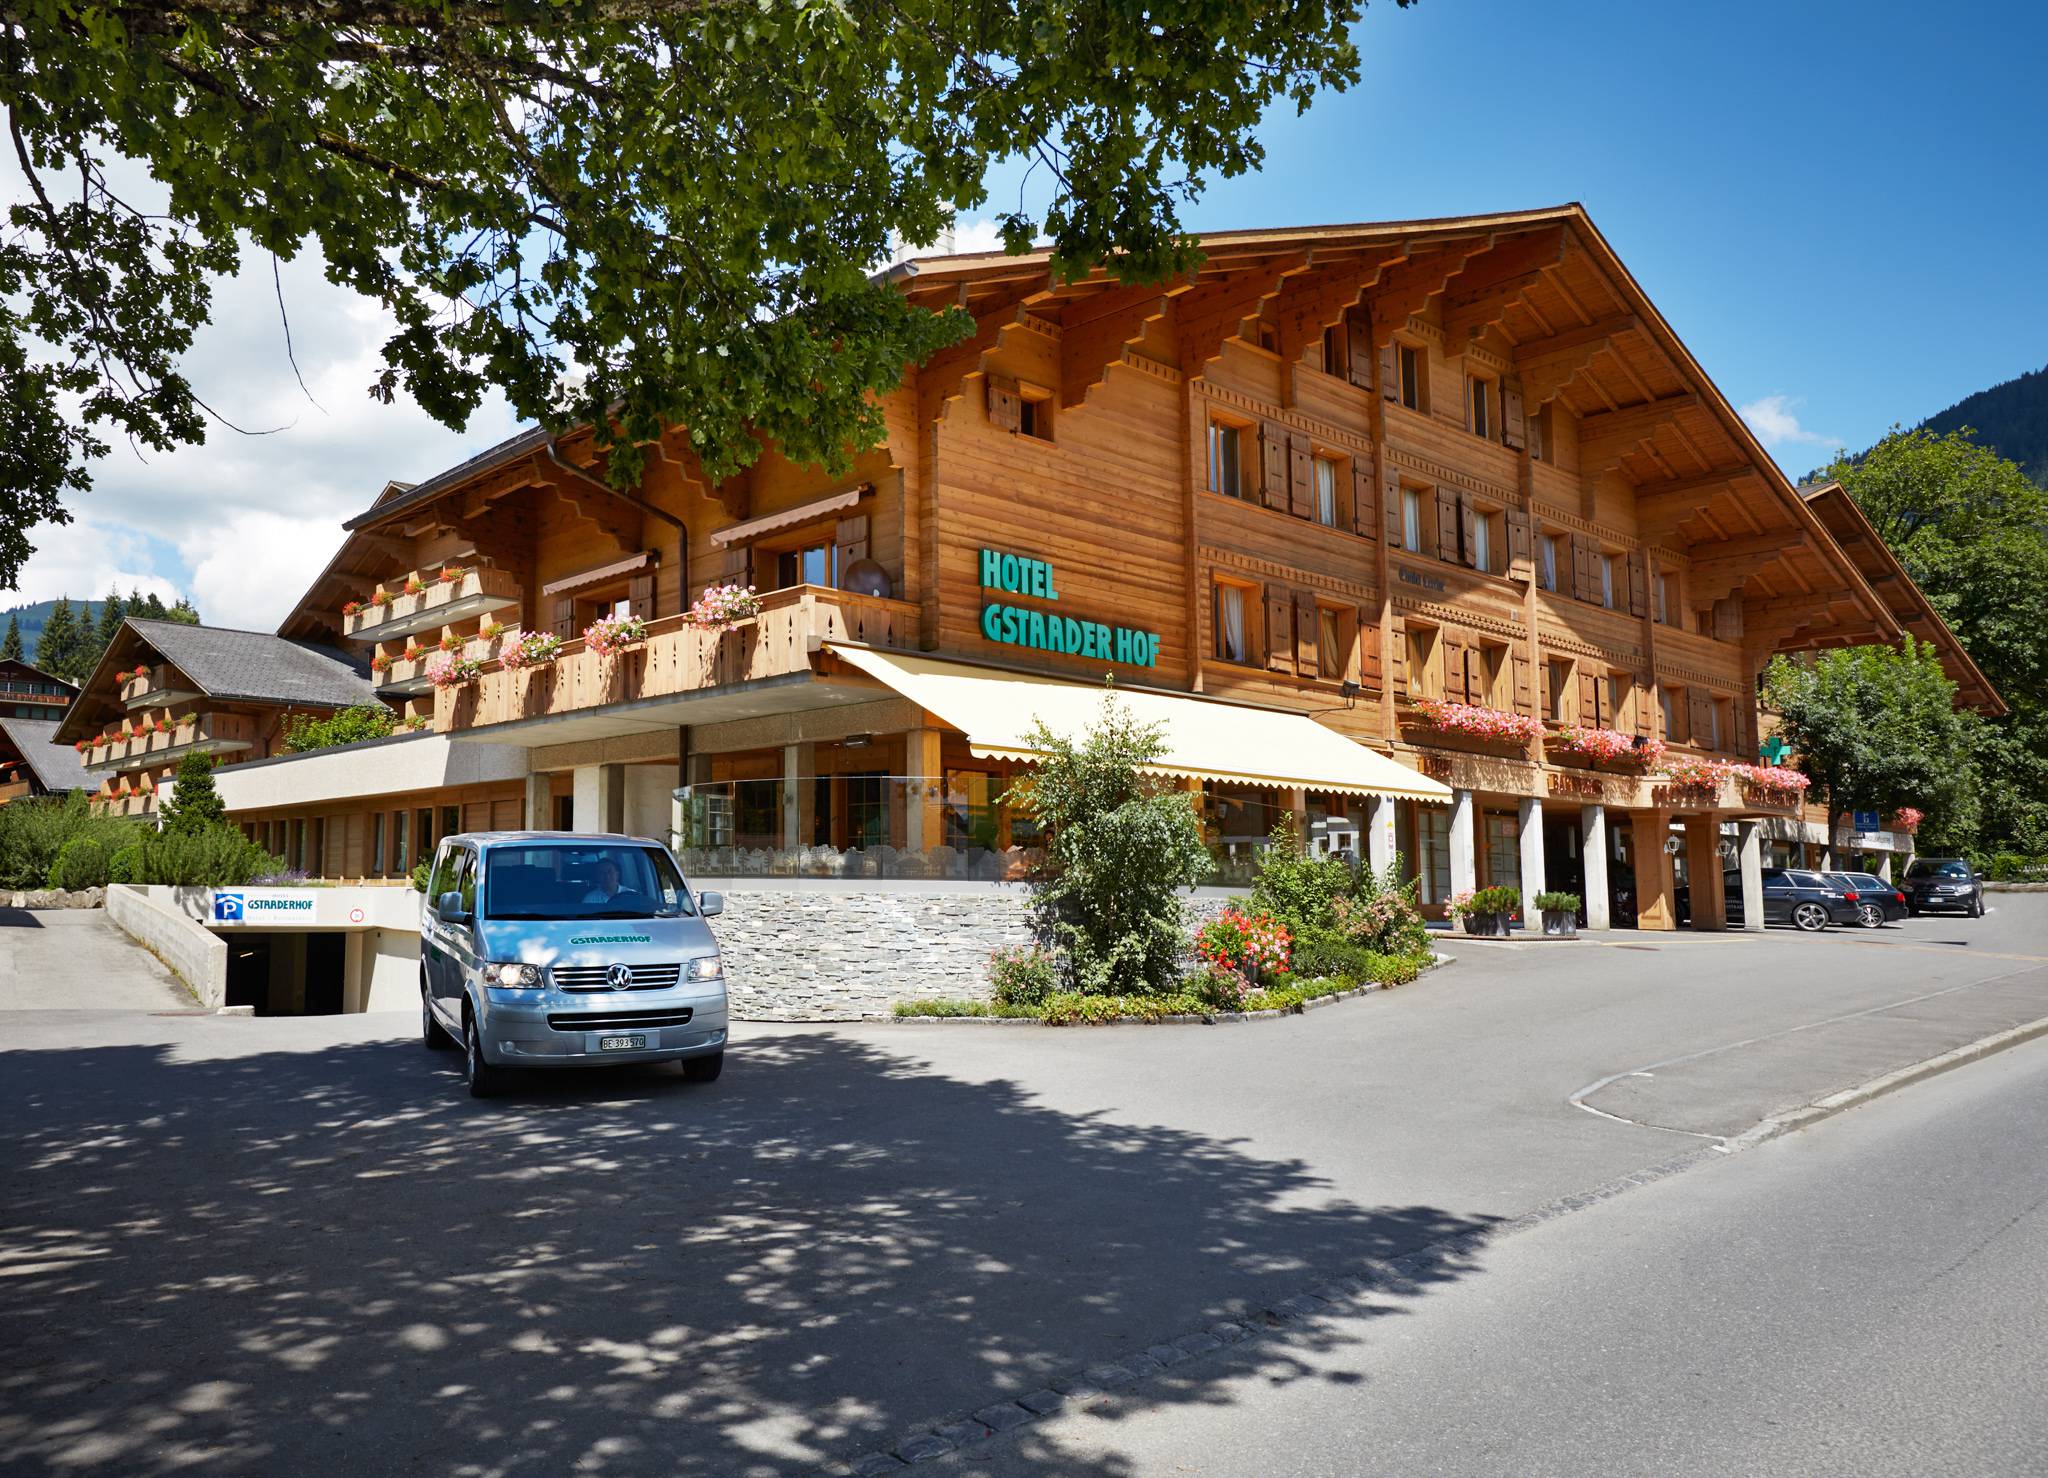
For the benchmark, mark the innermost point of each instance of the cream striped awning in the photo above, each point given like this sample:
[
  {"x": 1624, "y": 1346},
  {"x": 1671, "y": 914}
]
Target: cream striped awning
[{"x": 1206, "y": 739}]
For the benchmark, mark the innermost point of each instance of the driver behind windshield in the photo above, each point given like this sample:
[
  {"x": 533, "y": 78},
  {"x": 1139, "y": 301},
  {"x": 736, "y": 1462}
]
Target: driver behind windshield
[{"x": 607, "y": 881}]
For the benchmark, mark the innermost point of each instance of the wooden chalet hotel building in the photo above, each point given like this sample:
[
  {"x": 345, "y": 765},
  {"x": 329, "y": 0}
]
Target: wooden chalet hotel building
[{"x": 1337, "y": 472}]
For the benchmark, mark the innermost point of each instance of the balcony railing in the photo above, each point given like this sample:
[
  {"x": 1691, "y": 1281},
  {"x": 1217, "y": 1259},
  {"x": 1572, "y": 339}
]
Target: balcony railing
[
  {"x": 439, "y": 603},
  {"x": 154, "y": 687},
  {"x": 677, "y": 657},
  {"x": 15, "y": 790},
  {"x": 204, "y": 733}
]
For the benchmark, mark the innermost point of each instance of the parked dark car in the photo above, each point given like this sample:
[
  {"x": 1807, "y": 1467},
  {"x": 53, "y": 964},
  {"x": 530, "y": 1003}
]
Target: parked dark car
[
  {"x": 1877, "y": 902},
  {"x": 1807, "y": 901},
  {"x": 1944, "y": 883}
]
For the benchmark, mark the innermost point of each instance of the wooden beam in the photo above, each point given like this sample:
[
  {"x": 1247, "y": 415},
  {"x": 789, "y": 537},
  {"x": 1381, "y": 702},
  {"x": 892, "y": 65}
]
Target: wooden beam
[
  {"x": 1747, "y": 547},
  {"x": 1549, "y": 365},
  {"x": 1495, "y": 281},
  {"x": 1210, "y": 315},
  {"x": 1665, "y": 504},
  {"x": 1091, "y": 343},
  {"x": 1317, "y": 300},
  {"x": 1605, "y": 437},
  {"x": 1404, "y": 291}
]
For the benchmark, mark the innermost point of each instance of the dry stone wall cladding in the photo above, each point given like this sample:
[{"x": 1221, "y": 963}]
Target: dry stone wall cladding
[{"x": 839, "y": 956}]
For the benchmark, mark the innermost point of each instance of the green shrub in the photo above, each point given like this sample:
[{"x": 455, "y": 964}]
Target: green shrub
[
  {"x": 1122, "y": 844},
  {"x": 125, "y": 866},
  {"x": 1022, "y": 976},
  {"x": 941, "y": 1008},
  {"x": 194, "y": 804},
  {"x": 422, "y": 871},
  {"x": 1488, "y": 900},
  {"x": 1325, "y": 952},
  {"x": 33, "y": 832},
  {"x": 1296, "y": 888},
  {"x": 1381, "y": 914},
  {"x": 81, "y": 863},
  {"x": 1398, "y": 969},
  {"x": 1557, "y": 902},
  {"x": 214, "y": 857},
  {"x": 350, "y": 726}
]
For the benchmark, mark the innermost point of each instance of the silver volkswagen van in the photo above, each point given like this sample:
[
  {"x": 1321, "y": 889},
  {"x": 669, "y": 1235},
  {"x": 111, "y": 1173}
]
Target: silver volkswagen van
[{"x": 549, "y": 949}]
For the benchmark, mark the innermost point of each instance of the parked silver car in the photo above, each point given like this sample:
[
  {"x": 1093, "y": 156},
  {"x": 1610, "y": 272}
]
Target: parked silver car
[{"x": 554, "y": 949}]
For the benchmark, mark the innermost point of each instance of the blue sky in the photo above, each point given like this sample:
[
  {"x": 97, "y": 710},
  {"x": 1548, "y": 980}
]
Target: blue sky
[{"x": 1842, "y": 208}]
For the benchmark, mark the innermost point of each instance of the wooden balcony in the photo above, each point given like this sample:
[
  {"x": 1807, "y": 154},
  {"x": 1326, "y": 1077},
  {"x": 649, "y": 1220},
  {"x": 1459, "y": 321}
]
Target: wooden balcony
[
  {"x": 200, "y": 733},
  {"x": 439, "y": 603},
  {"x": 15, "y": 790},
  {"x": 156, "y": 687},
  {"x": 679, "y": 658}
]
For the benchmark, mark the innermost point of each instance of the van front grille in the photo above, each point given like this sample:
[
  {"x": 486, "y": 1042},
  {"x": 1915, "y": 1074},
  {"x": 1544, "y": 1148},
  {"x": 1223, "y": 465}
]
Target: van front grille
[
  {"x": 571, "y": 1021},
  {"x": 592, "y": 977}
]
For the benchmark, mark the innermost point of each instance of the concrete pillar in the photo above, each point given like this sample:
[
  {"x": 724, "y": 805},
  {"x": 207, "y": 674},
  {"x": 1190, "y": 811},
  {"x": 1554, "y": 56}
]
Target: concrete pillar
[
  {"x": 792, "y": 807},
  {"x": 1380, "y": 845},
  {"x": 1593, "y": 862},
  {"x": 1530, "y": 812},
  {"x": 1749, "y": 853},
  {"x": 1464, "y": 843},
  {"x": 1884, "y": 866},
  {"x": 1656, "y": 883},
  {"x": 540, "y": 803},
  {"x": 599, "y": 799},
  {"x": 1704, "y": 884}
]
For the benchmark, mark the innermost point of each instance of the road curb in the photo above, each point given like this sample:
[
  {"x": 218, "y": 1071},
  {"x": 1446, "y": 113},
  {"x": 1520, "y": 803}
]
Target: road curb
[{"x": 1919, "y": 1072}]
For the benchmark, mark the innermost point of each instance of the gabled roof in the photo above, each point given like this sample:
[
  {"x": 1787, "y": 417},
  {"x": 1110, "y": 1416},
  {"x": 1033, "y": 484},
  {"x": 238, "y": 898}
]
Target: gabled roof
[
  {"x": 231, "y": 666},
  {"x": 56, "y": 767},
  {"x": 29, "y": 669},
  {"x": 1859, "y": 539}
]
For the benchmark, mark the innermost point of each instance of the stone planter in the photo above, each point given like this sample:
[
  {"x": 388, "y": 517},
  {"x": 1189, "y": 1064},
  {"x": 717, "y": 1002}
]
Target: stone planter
[
  {"x": 1487, "y": 925},
  {"x": 1560, "y": 924}
]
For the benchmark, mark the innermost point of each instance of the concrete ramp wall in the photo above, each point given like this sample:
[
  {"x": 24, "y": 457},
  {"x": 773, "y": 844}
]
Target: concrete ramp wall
[{"x": 157, "y": 919}]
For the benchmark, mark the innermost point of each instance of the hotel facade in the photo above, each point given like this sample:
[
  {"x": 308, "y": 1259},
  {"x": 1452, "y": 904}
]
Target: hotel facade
[{"x": 1385, "y": 525}]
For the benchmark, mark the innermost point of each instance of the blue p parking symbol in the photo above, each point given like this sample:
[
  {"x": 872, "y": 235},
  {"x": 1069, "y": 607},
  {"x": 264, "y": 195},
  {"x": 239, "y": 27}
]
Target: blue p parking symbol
[{"x": 227, "y": 908}]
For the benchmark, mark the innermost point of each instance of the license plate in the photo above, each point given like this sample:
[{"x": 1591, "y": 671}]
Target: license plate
[{"x": 621, "y": 1044}]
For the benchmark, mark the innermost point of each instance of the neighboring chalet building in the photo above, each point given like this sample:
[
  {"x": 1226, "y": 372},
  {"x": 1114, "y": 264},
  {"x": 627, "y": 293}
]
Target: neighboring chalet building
[
  {"x": 1291, "y": 503},
  {"x": 30, "y": 692},
  {"x": 33, "y": 763},
  {"x": 165, "y": 689}
]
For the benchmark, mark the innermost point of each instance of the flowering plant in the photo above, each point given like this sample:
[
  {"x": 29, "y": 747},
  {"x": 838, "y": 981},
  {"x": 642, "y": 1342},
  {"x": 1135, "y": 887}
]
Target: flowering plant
[
  {"x": 447, "y": 643},
  {"x": 380, "y": 663},
  {"x": 1771, "y": 780},
  {"x": 1486, "y": 901},
  {"x": 529, "y": 649},
  {"x": 451, "y": 573},
  {"x": 414, "y": 585},
  {"x": 1478, "y": 722},
  {"x": 1695, "y": 772},
  {"x": 1251, "y": 944},
  {"x": 141, "y": 670},
  {"x": 1907, "y": 819},
  {"x": 416, "y": 721},
  {"x": 723, "y": 607},
  {"x": 380, "y": 597},
  {"x": 412, "y": 652},
  {"x": 351, "y": 608},
  {"x": 1226, "y": 990},
  {"x": 445, "y": 670},
  {"x": 491, "y": 631},
  {"x": 82, "y": 745},
  {"x": 609, "y": 634},
  {"x": 1608, "y": 744},
  {"x": 163, "y": 723}
]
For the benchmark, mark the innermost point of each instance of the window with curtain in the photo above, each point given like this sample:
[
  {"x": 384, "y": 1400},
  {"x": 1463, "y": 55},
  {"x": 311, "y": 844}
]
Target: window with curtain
[
  {"x": 1546, "y": 548},
  {"x": 1332, "y": 661},
  {"x": 1433, "y": 846},
  {"x": 1482, "y": 542},
  {"x": 1225, "y": 465},
  {"x": 1232, "y": 641},
  {"x": 1411, "y": 520},
  {"x": 1478, "y": 394},
  {"x": 1663, "y": 598},
  {"x": 1326, "y": 492},
  {"x": 1607, "y": 581}
]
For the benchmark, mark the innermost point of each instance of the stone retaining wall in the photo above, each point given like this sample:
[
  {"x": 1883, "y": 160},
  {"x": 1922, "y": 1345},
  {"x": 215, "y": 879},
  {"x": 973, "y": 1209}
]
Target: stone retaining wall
[{"x": 55, "y": 898}]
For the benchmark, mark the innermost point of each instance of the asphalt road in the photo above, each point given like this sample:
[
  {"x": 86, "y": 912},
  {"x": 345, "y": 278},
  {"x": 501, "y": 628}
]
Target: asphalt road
[
  {"x": 259, "y": 1245},
  {"x": 1868, "y": 1298}
]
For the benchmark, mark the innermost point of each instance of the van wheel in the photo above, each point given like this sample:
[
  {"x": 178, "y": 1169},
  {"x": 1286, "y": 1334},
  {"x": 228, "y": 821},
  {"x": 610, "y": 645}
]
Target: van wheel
[
  {"x": 703, "y": 1069},
  {"x": 432, "y": 1033},
  {"x": 1810, "y": 917},
  {"x": 485, "y": 1081}
]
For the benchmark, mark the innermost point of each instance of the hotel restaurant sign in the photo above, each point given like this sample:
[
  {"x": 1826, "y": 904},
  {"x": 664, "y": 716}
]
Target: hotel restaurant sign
[{"x": 1049, "y": 631}]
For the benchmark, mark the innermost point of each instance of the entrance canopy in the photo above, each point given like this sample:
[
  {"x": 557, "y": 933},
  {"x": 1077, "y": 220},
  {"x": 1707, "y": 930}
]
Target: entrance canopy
[{"x": 1205, "y": 739}]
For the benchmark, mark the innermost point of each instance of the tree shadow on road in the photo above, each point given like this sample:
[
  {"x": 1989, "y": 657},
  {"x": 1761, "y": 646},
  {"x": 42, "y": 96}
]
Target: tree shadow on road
[{"x": 330, "y": 1260}]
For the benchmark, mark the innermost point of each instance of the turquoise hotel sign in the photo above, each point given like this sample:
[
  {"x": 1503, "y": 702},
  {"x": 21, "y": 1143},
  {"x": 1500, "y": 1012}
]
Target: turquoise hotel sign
[{"x": 1048, "y": 631}]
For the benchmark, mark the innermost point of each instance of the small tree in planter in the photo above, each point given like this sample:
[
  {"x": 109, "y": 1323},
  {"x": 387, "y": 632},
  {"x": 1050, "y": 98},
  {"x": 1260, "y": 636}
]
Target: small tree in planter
[
  {"x": 1488, "y": 910},
  {"x": 1560, "y": 914}
]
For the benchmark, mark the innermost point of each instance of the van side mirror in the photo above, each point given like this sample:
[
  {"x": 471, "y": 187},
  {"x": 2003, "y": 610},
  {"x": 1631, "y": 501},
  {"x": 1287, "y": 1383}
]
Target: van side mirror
[
  {"x": 450, "y": 908},
  {"x": 709, "y": 903}
]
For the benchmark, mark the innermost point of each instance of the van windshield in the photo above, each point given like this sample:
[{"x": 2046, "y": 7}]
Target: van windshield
[{"x": 583, "y": 880}]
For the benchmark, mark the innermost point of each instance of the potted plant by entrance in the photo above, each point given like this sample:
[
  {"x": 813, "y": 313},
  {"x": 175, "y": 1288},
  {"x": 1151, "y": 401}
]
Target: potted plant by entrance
[
  {"x": 1560, "y": 914},
  {"x": 1488, "y": 911}
]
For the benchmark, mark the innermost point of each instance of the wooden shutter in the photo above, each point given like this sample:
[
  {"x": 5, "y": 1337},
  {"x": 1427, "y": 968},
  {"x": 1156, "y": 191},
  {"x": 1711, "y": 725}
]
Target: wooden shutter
[
  {"x": 1646, "y": 706},
  {"x": 1447, "y": 525},
  {"x": 1365, "y": 508},
  {"x": 1395, "y": 511},
  {"x": 1468, "y": 522},
  {"x": 1524, "y": 694},
  {"x": 640, "y": 596},
  {"x": 1728, "y": 618},
  {"x": 1638, "y": 584},
  {"x": 1279, "y": 629},
  {"x": 1368, "y": 649},
  {"x": 1358, "y": 338},
  {"x": 1589, "y": 698},
  {"x": 850, "y": 540},
  {"x": 1301, "y": 476},
  {"x": 1514, "y": 419},
  {"x": 1547, "y": 686},
  {"x": 1700, "y": 713},
  {"x": 1308, "y": 635},
  {"x": 1451, "y": 653},
  {"x": 1273, "y": 464},
  {"x": 563, "y": 622},
  {"x": 1005, "y": 405},
  {"x": 1585, "y": 572},
  {"x": 1390, "y": 372}
]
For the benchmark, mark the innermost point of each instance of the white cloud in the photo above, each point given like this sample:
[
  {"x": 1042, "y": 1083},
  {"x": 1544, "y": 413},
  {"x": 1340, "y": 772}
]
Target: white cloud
[
  {"x": 1773, "y": 419},
  {"x": 243, "y": 523}
]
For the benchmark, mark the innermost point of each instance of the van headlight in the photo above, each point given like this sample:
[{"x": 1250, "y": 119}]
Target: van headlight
[
  {"x": 521, "y": 977},
  {"x": 707, "y": 967}
]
